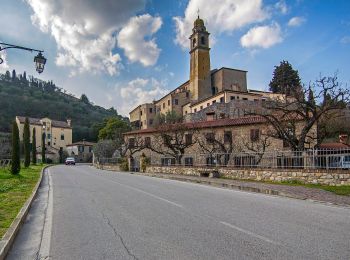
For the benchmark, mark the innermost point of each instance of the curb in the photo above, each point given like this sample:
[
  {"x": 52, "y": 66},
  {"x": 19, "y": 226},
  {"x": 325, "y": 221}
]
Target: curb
[
  {"x": 10, "y": 235},
  {"x": 244, "y": 188}
]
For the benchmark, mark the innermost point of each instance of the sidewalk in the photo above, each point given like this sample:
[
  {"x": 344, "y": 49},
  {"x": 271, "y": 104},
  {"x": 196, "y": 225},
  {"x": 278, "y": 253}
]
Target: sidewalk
[{"x": 297, "y": 192}]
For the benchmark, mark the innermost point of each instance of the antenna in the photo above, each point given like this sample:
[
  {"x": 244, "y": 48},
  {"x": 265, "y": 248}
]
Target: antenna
[{"x": 198, "y": 12}]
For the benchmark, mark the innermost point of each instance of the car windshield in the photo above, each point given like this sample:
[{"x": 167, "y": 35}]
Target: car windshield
[{"x": 70, "y": 159}]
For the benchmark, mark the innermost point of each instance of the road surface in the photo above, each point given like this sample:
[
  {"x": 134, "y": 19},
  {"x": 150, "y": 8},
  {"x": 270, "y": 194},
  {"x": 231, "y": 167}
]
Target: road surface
[{"x": 85, "y": 213}]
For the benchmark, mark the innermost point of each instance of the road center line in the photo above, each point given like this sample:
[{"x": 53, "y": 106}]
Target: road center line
[
  {"x": 144, "y": 192},
  {"x": 250, "y": 233}
]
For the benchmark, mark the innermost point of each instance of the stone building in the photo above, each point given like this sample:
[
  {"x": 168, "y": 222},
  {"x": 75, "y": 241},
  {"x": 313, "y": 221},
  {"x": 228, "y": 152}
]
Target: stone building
[
  {"x": 58, "y": 134},
  {"x": 82, "y": 151},
  {"x": 204, "y": 88}
]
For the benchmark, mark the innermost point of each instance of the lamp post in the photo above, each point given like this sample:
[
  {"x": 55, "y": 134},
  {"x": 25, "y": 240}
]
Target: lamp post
[{"x": 39, "y": 59}]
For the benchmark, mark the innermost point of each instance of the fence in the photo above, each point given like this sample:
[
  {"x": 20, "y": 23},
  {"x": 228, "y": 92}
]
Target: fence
[
  {"x": 307, "y": 159},
  {"x": 5, "y": 163}
]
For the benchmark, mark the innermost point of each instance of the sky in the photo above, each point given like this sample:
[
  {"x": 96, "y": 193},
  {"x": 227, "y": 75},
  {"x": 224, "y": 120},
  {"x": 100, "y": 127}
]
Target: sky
[{"x": 125, "y": 53}]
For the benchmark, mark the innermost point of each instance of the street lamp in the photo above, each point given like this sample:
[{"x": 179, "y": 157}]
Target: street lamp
[{"x": 39, "y": 59}]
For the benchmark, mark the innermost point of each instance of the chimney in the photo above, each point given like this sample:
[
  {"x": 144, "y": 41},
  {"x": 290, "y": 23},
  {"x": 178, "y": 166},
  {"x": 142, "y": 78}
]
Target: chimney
[
  {"x": 343, "y": 138},
  {"x": 69, "y": 122}
]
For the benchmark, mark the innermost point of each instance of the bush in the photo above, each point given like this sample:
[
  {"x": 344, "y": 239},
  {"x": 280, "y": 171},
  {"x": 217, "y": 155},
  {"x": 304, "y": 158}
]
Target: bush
[
  {"x": 144, "y": 162},
  {"x": 124, "y": 164}
]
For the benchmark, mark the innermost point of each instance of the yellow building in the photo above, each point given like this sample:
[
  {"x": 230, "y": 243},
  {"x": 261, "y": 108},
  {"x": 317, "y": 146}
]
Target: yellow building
[
  {"x": 204, "y": 88},
  {"x": 58, "y": 134}
]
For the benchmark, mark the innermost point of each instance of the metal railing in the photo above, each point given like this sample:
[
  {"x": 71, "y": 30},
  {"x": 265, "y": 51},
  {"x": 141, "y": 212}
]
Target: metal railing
[
  {"x": 307, "y": 159},
  {"x": 5, "y": 163}
]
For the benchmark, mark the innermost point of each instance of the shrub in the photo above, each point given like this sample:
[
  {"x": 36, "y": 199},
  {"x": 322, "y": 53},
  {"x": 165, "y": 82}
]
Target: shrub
[{"x": 124, "y": 164}]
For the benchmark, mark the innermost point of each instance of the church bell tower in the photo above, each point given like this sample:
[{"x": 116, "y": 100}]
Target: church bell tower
[{"x": 200, "y": 79}]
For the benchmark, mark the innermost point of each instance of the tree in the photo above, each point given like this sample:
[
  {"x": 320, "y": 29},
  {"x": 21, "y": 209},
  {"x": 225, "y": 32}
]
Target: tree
[
  {"x": 285, "y": 79},
  {"x": 294, "y": 120},
  {"x": 34, "y": 146},
  {"x": 173, "y": 140},
  {"x": 104, "y": 149},
  {"x": 26, "y": 143},
  {"x": 14, "y": 77},
  {"x": 15, "y": 163},
  {"x": 113, "y": 130},
  {"x": 43, "y": 148},
  {"x": 85, "y": 99}
]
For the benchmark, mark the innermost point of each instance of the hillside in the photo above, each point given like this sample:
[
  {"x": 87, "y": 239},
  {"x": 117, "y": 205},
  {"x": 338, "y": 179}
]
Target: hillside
[{"x": 36, "y": 98}]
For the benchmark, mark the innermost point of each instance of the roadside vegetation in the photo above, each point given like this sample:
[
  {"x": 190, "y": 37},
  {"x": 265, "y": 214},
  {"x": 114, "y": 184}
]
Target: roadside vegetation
[{"x": 14, "y": 191}]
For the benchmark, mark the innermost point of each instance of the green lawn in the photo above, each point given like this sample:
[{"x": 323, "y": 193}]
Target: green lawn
[{"x": 14, "y": 191}]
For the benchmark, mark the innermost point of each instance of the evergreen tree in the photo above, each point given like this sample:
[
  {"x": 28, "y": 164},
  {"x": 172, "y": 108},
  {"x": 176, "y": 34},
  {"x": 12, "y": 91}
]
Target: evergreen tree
[
  {"x": 14, "y": 77},
  {"x": 24, "y": 76},
  {"x": 26, "y": 143},
  {"x": 43, "y": 156},
  {"x": 285, "y": 79},
  {"x": 34, "y": 146},
  {"x": 16, "y": 162}
]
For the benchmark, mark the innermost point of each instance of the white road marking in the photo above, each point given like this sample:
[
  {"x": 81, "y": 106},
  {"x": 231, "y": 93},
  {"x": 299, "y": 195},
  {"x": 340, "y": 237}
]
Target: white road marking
[
  {"x": 250, "y": 233},
  {"x": 44, "y": 251},
  {"x": 144, "y": 192}
]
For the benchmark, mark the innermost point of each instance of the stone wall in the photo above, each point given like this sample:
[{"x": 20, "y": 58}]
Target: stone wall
[
  {"x": 108, "y": 167},
  {"x": 314, "y": 176}
]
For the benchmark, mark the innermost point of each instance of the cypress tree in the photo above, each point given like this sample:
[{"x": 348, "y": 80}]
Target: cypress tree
[
  {"x": 16, "y": 162},
  {"x": 43, "y": 156},
  {"x": 26, "y": 143},
  {"x": 34, "y": 147}
]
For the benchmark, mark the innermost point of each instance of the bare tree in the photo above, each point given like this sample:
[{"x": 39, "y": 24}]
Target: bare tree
[
  {"x": 173, "y": 140},
  {"x": 132, "y": 145},
  {"x": 294, "y": 119},
  {"x": 257, "y": 147}
]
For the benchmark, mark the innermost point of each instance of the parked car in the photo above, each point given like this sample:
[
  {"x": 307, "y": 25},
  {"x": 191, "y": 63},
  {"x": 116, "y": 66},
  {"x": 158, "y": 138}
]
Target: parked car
[
  {"x": 341, "y": 162},
  {"x": 70, "y": 161}
]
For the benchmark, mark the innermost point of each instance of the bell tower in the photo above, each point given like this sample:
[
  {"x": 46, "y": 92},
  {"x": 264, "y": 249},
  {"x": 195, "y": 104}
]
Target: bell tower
[{"x": 200, "y": 79}]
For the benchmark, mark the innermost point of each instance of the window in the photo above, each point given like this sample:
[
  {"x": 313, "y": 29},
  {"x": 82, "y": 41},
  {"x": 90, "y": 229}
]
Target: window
[
  {"x": 188, "y": 161},
  {"x": 150, "y": 110},
  {"x": 237, "y": 97},
  {"x": 48, "y": 136},
  {"x": 201, "y": 107},
  {"x": 167, "y": 161},
  {"x": 222, "y": 100},
  {"x": 176, "y": 101},
  {"x": 169, "y": 102},
  {"x": 81, "y": 149},
  {"x": 232, "y": 97},
  {"x": 163, "y": 105},
  {"x": 254, "y": 135},
  {"x": 48, "y": 143},
  {"x": 187, "y": 94},
  {"x": 188, "y": 139},
  {"x": 62, "y": 137},
  {"x": 131, "y": 142},
  {"x": 140, "y": 112},
  {"x": 210, "y": 138},
  {"x": 151, "y": 121},
  {"x": 90, "y": 149},
  {"x": 147, "y": 141},
  {"x": 203, "y": 40},
  {"x": 208, "y": 104},
  {"x": 194, "y": 42},
  {"x": 195, "y": 110},
  {"x": 214, "y": 101},
  {"x": 227, "y": 137},
  {"x": 245, "y": 98}
]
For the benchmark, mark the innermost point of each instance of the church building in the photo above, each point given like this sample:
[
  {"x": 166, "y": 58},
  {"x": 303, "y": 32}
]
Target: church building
[{"x": 205, "y": 89}]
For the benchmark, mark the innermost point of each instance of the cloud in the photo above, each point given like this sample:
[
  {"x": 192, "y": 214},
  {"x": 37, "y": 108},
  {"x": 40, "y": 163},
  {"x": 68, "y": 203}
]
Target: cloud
[
  {"x": 345, "y": 40},
  {"x": 282, "y": 6},
  {"x": 132, "y": 36},
  {"x": 84, "y": 30},
  {"x": 139, "y": 91},
  {"x": 262, "y": 36},
  {"x": 229, "y": 15},
  {"x": 296, "y": 21},
  {"x": 4, "y": 65}
]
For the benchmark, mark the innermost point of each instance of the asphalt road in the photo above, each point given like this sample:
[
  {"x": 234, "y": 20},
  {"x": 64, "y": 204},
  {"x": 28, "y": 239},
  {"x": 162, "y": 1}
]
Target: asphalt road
[{"x": 85, "y": 213}]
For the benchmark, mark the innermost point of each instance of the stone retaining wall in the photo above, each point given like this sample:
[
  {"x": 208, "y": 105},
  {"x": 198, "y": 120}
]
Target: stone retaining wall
[{"x": 314, "y": 176}]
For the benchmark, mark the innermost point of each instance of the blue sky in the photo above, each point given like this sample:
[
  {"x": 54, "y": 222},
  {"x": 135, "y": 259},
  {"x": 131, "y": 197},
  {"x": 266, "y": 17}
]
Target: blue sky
[{"x": 123, "y": 53}]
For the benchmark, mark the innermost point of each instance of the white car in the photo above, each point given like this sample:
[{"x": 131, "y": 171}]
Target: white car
[{"x": 70, "y": 161}]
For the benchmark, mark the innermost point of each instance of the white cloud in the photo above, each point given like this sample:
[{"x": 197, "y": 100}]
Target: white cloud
[
  {"x": 139, "y": 91},
  {"x": 84, "y": 30},
  {"x": 229, "y": 15},
  {"x": 296, "y": 21},
  {"x": 4, "y": 65},
  {"x": 132, "y": 39},
  {"x": 282, "y": 6},
  {"x": 262, "y": 36}
]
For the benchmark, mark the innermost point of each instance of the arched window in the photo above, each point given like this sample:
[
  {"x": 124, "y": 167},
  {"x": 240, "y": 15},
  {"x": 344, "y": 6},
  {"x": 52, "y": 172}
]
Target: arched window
[
  {"x": 203, "y": 40},
  {"x": 194, "y": 42}
]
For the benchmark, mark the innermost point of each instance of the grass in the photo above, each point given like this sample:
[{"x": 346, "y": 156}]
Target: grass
[
  {"x": 339, "y": 190},
  {"x": 14, "y": 191}
]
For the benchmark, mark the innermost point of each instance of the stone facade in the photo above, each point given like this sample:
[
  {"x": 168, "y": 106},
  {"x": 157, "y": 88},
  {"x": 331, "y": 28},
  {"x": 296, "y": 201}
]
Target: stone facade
[{"x": 312, "y": 176}]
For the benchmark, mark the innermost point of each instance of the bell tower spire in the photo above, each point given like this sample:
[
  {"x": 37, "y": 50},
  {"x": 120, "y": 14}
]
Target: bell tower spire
[{"x": 200, "y": 80}]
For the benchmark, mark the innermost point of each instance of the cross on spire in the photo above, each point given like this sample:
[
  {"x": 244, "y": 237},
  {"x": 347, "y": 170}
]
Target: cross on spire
[{"x": 198, "y": 12}]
